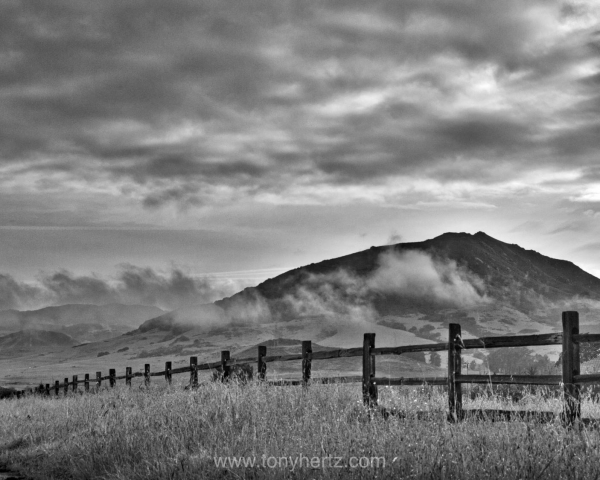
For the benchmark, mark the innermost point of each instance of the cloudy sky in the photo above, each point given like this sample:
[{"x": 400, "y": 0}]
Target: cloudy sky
[{"x": 210, "y": 137}]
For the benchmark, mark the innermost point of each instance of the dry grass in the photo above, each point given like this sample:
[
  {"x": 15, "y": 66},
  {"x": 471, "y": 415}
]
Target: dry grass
[{"x": 165, "y": 432}]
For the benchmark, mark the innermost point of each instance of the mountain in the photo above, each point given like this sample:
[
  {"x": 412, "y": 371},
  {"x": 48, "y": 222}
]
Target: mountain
[
  {"x": 508, "y": 272},
  {"x": 28, "y": 339},
  {"x": 63, "y": 316},
  {"x": 406, "y": 294},
  {"x": 489, "y": 286}
]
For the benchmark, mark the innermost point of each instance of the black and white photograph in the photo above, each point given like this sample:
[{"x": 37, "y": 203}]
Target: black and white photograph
[{"x": 299, "y": 239}]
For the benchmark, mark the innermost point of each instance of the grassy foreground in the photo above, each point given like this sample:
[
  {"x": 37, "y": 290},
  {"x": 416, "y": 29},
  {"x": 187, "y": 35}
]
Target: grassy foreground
[{"x": 289, "y": 432}]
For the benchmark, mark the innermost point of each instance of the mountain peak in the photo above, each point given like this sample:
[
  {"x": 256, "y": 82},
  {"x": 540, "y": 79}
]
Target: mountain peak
[{"x": 506, "y": 272}]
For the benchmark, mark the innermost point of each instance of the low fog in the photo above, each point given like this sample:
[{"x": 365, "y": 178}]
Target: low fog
[
  {"x": 343, "y": 294},
  {"x": 410, "y": 274},
  {"x": 132, "y": 285},
  {"x": 338, "y": 295}
]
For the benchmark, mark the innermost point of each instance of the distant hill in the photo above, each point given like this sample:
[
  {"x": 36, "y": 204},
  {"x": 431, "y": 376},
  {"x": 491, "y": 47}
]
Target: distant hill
[
  {"x": 28, "y": 339},
  {"x": 185, "y": 318},
  {"x": 93, "y": 332},
  {"x": 51, "y": 318}
]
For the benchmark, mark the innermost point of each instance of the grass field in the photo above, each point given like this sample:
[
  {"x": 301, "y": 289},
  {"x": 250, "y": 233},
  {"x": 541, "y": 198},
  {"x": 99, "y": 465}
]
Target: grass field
[{"x": 288, "y": 432}]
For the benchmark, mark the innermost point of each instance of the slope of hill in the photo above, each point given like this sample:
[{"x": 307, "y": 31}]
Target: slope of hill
[
  {"x": 51, "y": 318},
  {"x": 185, "y": 318},
  {"x": 505, "y": 267},
  {"x": 93, "y": 332},
  {"x": 28, "y": 339}
]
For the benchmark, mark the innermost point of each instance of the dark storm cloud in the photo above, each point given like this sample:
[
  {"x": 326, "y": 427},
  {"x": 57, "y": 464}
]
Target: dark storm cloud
[
  {"x": 480, "y": 133},
  {"x": 184, "y": 100},
  {"x": 181, "y": 166},
  {"x": 78, "y": 65},
  {"x": 372, "y": 148},
  {"x": 185, "y": 196},
  {"x": 578, "y": 141},
  {"x": 132, "y": 285}
]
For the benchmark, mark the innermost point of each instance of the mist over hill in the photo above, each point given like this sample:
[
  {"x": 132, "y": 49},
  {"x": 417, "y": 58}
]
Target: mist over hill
[
  {"x": 80, "y": 321},
  {"x": 405, "y": 293},
  {"x": 454, "y": 270},
  {"x": 487, "y": 285},
  {"x": 28, "y": 339}
]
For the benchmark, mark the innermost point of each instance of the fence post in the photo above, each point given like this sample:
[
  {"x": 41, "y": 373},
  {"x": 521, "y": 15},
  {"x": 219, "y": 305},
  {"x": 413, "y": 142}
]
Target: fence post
[
  {"x": 147, "y": 374},
  {"x": 128, "y": 376},
  {"x": 98, "y": 380},
  {"x": 570, "y": 367},
  {"x": 168, "y": 367},
  {"x": 57, "y": 387},
  {"x": 262, "y": 365},
  {"x": 193, "y": 372},
  {"x": 455, "y": 412},
  {"x": 66, "y": 386},
  {"x": 306, "y": 361},
  {"x": 74, "y": 383},
  {"x": 87, "y": 382},
  {"x": 225, "y": 370},
  {"x": 47, "y": 390},
  {"x": 369, "y": 387},
  {"x": 112, "y": 373}
]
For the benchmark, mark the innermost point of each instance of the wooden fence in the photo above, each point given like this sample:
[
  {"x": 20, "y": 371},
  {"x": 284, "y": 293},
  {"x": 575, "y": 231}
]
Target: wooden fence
[{"x": 571, "y": 378}]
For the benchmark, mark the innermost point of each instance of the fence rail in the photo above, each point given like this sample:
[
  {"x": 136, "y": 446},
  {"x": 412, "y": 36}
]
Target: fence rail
[{"x": 571, "y": 378}]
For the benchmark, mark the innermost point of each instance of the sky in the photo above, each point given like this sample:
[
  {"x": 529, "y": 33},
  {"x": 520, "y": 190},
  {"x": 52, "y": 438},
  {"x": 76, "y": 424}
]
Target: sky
[{"x": 231, "y": 141}]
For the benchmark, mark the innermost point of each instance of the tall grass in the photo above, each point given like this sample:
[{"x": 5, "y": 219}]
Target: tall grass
[{"x": 166, "y": 432}]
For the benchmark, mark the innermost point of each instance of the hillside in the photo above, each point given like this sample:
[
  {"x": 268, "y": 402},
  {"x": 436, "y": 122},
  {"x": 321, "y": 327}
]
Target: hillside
[
  {"x": 412, "y": 289},
  {"x": 28, "y": 339},
  {"x": 489, "y": 286},
  {"x": 55, "y": 318},
  {"x": 509, "y": 272}
]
